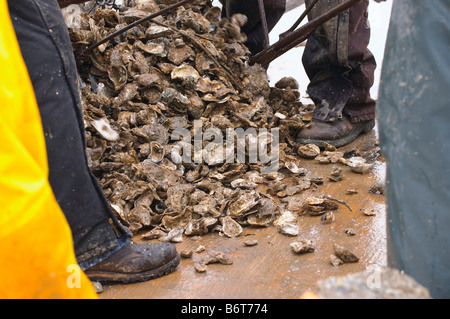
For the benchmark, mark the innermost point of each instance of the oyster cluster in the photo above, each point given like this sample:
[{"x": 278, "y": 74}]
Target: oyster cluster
[{"x": 187, "y": 66}]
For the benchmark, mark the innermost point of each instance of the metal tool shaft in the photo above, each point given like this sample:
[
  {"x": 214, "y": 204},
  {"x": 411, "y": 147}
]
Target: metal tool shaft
[{"x": 298, "y": 36}]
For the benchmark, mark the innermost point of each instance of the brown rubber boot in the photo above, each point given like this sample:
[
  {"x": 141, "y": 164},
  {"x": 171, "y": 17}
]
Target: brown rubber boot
[
  {"x": 136, "y": 262},
  {"x": 338, "y": 133}
]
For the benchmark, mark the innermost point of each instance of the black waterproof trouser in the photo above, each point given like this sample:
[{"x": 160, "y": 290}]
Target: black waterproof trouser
[
  {"x": 47, "y": 51},
  {"x": 339, "y": 64}
]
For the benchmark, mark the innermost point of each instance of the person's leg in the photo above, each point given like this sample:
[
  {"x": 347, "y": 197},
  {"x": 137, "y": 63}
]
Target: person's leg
[
  {"x": 413, "y": 119},
  {"x": 341, "y": 72},
  {"x": 47, "y": 52},
  {"x": 360, "y": 106}
]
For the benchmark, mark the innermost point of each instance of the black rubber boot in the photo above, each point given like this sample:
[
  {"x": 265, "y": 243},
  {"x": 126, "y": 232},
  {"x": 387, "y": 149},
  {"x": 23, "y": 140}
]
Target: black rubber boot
[
  {"x": 338, "y": 133},
  {"x": 136, "y": 262}
]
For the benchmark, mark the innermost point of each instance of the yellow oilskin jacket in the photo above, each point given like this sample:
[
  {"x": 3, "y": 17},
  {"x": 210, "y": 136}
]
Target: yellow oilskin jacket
[{"x": 37, "y": 258}]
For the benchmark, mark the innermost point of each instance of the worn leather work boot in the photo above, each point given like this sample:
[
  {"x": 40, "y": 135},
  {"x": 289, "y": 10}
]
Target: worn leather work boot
[
  {"x": 338, "y": 133},
  {"x": 136, "y": 262}
]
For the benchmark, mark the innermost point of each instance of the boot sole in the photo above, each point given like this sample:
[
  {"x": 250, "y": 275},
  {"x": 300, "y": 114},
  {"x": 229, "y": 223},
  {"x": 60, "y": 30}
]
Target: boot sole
[
  {"x": 343, "y": 140},
  {"x": 104, "y": 276}
]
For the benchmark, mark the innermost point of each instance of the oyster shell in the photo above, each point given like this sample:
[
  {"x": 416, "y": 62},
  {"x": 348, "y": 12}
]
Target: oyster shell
[
  {"x": 186, "y": 74},
  {"x": 178, "y": 196},
  {"x": 174, "y": 236},
  {"x": 186, "y": 253},
  {"x": 328, "y": 218},
  {"x": 157, "y": 31},
  {"x": 230, "y": 227},
  {"x": 294, "y": 169},
  {"x": 330, "y": 157},
  {"x": 212, "y": 256},
  {"x": 243, "y": 183},
  {"x": 335, "y": 261},
  {"x": 141, "y": 215},
  {"x": 198, "y": 227},
  {"x": 156, "y": 152},
  {"x": 287, "y": 223},
  {"x": 318, "y": 206},
  {"x": 154, "y": 48},
  {"x": 250, "y": 243},
  {"x": 368, "y": 212},
  {"x": 358, "y": 164},
  {"x": 289, "y": 229},
  {"x": 308, "y": 151},
  {"x": 344, "y": 254},
  {"x": 178, "y": 55},
  {"x": 292, "y": 190},
  {"x": 266, "y": 213},
  {"x": 104, "y": 128},
  {"x": 155, "y": 233},
  {"x": 244, "y": 202},
  {"x": 350, "y": 231},
  {"x": 302, "y": 246},
  {"x": 118, "y": 76}
]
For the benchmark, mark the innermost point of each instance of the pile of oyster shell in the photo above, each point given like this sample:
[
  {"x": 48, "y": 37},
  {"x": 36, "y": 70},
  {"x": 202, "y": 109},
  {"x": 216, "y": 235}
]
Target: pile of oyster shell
[{"x": 187, "y": 65}]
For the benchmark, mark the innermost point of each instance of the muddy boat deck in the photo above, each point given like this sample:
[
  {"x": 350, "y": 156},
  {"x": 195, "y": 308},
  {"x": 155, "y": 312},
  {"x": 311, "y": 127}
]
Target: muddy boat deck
[{"x": 270, "y": 269}]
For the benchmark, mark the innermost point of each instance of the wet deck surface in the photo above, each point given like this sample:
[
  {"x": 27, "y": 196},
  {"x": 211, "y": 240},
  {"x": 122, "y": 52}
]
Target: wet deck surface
[{"x": 270, "y": 269}]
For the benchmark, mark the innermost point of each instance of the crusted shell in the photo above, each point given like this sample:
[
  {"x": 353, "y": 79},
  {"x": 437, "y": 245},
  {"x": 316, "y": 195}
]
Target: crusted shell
[
  {"x": 104, "y": 129},
  {"x": 185, "y": 73},
  {"x": 230, "y": 227}
]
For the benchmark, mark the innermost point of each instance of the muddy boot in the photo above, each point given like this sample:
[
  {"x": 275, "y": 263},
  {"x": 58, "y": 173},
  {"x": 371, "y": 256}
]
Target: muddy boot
[
  {"x": 338, "y": 133},
  {"x": 136, "y": 262}
]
